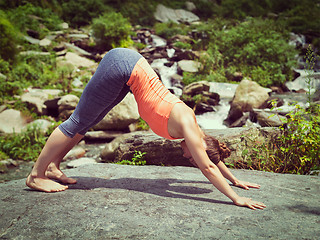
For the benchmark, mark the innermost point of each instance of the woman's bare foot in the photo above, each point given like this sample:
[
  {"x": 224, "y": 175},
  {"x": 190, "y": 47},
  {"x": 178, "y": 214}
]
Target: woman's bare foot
[
  {"x": 44, "y": 184},
  {"x": 56, "y": 174}
]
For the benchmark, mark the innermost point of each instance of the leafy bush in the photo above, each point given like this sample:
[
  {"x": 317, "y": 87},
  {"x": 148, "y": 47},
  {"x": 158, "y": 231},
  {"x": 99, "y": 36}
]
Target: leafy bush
[
  {"x": 182, "y": 45},
  {"x": 8, "y": 41},
  {"x": 169, "y": 29},
  {"x": 81, "y": 12},
  {"x": 297, "y": 149},
  {"x": 112, "y": 30},
  {"x": 137, "y": 159},
  {"x": 299, "y": 16},
  {"x": 139, "y": 11},
  {"x": 24, "y": 146},
  {"x": 35, "y": 71},
  {"x": 32, "y": 17},
  {"x": 4, "y": 66},
  {"x": 257, "y": 47},
  {"x": 300, "y": 139},
  {"x": 242, "y": 8},
  {"x": 142, "y": 125},
  {"x": 3, "y": 156}
]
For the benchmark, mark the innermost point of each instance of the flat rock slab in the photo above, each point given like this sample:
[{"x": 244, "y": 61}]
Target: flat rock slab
[{"x": 151, "y": 202}]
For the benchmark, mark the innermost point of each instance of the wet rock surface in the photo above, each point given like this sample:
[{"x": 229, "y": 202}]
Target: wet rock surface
[{"x": 151, "y": 202}]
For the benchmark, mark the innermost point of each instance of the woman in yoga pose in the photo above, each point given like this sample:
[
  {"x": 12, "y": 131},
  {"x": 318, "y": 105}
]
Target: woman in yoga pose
[{"x": 120, "y": 71}]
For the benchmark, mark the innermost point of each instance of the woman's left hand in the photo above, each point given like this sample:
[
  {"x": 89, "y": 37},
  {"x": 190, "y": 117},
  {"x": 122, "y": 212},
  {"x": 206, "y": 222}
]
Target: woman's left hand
[{"x": 245, "y": 185}]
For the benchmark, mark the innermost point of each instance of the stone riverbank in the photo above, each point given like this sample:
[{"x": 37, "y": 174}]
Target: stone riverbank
[{"x": 151, "y": 202}]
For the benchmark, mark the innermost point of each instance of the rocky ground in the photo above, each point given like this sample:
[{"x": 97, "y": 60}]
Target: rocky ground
[{"x": 151, "y": 202}]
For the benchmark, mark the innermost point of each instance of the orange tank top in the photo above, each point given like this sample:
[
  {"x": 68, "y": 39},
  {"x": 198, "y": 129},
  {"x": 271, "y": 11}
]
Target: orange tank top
[{"x": 154, "y": 100}]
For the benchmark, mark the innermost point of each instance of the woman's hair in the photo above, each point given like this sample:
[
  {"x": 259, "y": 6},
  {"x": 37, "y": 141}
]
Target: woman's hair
[{"x": 216, "y": 150}]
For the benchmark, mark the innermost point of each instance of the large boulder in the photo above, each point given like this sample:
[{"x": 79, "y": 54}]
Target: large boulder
[
  {"x": 316, "y": 95},
  {"x": 189, "y": 66},
  {"x": 206, "y": 102},
  {"x": 66, "y": 105},
  {"x": 11, "y": 121},
  {"x": 42, "y": 124},
  {"x": 36, "y": 99},
  {"x": 45, "y": 42},
  {"x": 75, "y": 60},
  {"x": 234, "y": 114},
  {"x": 164, "y": 14},
  {"x": 249, "y": 95},
  {"x": 75, "y": 153},
  {"x": 196, "y": 88},
  {"x": 121, "y": 116},
  {"x": 112, "y": 201},
  {"x": 81, "y": 162},
  {"x": 225, "y": 90},
  {"x": 160, "y": 151},
  {"x": 102, "y": 136},
  {"x": 240, "y": 140},
  {"x": 268, "y": 118},
  {"x": 301, "y": 82},
  {"x": 31, "y": 40},
  {"x": 78, "y": 50}
]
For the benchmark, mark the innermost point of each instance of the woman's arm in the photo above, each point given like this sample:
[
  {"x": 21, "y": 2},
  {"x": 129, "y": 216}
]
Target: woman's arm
[
  {"x": 193, "y": 139},
  {"x": 182, "y": 124},
  {"x": 238, "y": 183}
]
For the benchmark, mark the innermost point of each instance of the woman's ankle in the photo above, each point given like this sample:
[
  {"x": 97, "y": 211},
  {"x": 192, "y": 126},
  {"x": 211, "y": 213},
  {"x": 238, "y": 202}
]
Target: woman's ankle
[{"x": 36, "y": 174}]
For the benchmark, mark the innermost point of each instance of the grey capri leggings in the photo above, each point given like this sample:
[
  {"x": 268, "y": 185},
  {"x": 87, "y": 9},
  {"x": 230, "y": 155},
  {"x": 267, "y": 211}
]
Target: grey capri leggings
[{"x": 106, "y": 88}]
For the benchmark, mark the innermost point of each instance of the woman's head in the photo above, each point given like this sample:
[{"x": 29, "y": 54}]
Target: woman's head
[{"x": 216, "y": 151}]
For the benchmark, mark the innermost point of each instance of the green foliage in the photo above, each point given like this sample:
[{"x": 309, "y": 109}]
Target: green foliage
[
  {"x": 260, "y": 155},
  {"x": 26, "y": 145},
  {"x": 299, "y": 142},
  {"x": 80, "y": 12},
  {"x": 112, "y": 30},
  {"x": 3, "y": 156},
  {"x": 241, "y": 8},
  {"x": 28, "y": 72},
  {"x": 142, "y": 125},
  {"x": 139, "y": 45},
  {"x": 137, "y": 159},
  {"x": 182, "y": 45},
  {"x": 23, "y": 146},
  {"x": 297, "y": 149},
  {"x": 194, "y": 101},
  {"x": 300, "y": 139},
  {"x": 138, "y": 11},
  {"x": 33, "y": 17},
  {"x": 257, "y": 47},
  {"x": 169, "y": 29},
  {"x": 299, "y": 16},
  {"x": 188, "y": 78},
  {"x": 4, "y": 66},
  {"x": 8, "y": 42},
  {"x": 36, "y": 71}
]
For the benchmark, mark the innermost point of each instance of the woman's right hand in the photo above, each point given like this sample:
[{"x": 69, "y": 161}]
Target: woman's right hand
[{"x": 248, "y": 202}]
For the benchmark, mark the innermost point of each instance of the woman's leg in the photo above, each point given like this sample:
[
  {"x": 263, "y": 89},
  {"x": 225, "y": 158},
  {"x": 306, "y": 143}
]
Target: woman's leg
[
  {"x": 106, "y": 89},
  {"x": 57, "y": 146},
  {"x": 53, "y": 170}
]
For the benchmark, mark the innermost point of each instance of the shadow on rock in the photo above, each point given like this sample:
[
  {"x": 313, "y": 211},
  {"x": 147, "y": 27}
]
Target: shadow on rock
[
  {"x": 300, "y": 208},
  {"x": 173, "y": 188}
]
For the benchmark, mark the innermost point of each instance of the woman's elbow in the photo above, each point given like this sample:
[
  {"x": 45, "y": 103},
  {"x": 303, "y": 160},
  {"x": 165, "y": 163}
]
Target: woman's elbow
[{"x": 209, "y": 169}]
